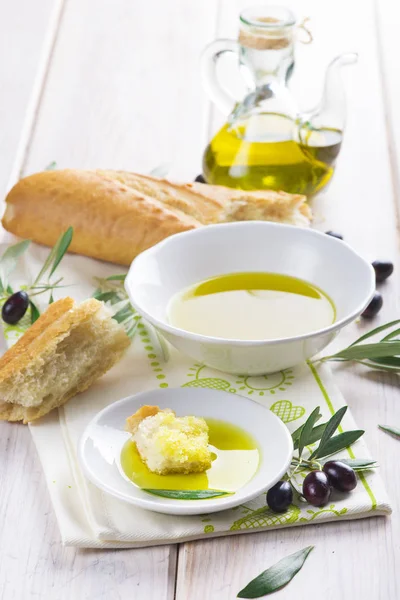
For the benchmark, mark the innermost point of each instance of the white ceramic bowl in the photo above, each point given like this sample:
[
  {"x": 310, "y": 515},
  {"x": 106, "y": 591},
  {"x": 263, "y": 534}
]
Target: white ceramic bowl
[
  {"x": 101, "y": 444},
  {"x": 187, "y": 258}
]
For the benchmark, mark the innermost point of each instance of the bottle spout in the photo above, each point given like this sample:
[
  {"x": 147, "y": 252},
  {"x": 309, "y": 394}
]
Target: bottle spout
[
  {"x": 332, "y": 108},
  {"x": 348, "y": 58}
]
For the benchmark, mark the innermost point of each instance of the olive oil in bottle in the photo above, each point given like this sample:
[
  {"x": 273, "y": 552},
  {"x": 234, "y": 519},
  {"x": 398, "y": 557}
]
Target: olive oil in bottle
[{"x": 270, "y": 151}]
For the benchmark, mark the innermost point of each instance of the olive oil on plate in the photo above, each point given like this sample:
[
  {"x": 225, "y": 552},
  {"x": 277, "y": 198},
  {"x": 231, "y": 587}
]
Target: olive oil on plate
[
  {"x": 235, "y": 461},
  {"x": 251, "y": 306}
]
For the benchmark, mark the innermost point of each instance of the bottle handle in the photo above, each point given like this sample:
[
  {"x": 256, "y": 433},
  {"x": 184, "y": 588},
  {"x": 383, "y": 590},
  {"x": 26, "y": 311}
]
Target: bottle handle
[{"x": 209, "y": 60}]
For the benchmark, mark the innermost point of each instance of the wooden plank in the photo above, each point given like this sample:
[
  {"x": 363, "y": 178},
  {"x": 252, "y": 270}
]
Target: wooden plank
[
  {"x": 387, "y": 16},
  {"x": 26, "y": 37},
  {"x": 33, "y": 562},
  {"x": 122, "y": 90},
  {"x": 356, "y": 559},
  {"x": 125, "y": 92}
]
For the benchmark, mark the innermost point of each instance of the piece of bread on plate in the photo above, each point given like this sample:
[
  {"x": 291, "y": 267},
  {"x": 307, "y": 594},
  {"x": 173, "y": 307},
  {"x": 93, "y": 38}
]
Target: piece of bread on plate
[
  {"x": 169, "y": 444},
  {"x": 61, "y": 354},
  {"x": 117, "y": 214}
]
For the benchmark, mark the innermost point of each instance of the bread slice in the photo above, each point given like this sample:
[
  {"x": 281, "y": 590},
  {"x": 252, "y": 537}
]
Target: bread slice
[
  {"x": 169, "y": 444},
  {"x": 61, "y": 354}
]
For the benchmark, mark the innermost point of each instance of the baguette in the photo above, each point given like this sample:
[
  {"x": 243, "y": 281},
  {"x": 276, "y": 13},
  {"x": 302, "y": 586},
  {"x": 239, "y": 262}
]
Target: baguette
[
  {"x": 61, "y": 354},
  {"x": 116, "y": 214}
]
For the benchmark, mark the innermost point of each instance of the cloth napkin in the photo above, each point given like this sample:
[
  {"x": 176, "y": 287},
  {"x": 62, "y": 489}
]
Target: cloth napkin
[{"x": 89, "y": 518}]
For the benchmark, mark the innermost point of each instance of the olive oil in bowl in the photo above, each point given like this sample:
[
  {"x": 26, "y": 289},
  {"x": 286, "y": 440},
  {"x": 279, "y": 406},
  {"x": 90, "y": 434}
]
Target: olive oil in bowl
[
  {"x": 251, "y": 306},
  {"x": 236, "y": 458},
  {"x": 267, "y": 151}
]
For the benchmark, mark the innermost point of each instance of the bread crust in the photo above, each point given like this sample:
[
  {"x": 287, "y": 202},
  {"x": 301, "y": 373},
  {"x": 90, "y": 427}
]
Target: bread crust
[
  {"x": 39, "y": 346},
  {"x": 117, "y": 214},
  {"x": 44, "y": 335},
  {"x": 29, "y": 344},
  {"x": 133, "y": 422},
  {"x": 111, "y": 222},
  {"x": 205, "y": 208}
]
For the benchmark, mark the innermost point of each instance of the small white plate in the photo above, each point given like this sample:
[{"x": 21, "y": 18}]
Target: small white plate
[{"x": 101, "y": 444}]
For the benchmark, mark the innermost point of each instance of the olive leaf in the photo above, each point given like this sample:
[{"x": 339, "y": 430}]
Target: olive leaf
[
  {"x": 186, "y": 494},
  {"x": 106, "y": 296},
  {"x": 330, "y": 429},
  {"x": 130, "y": 328},
  {"x": 161, "y": 170},
  {"x": 123, "y": 313},
  {"x": 9, "y": 261},
  {"x": 383, "y": 355},
  {"x": 111, "y": 291},
  {"x": 277, "y": 576},
  {"x": 55, "y": 256},
  {"x": 375, "y": 331},
  {"x": 360, "y": 464},
  {"x": 61, "y": 248},
  {"x": 337, "y": 443},
  {"x": 387, "y": 361},
  {"x": 35, "y": 313},
  {"x": 160, "y": 342},
  {"x": 392, "y": 430},
  {"x": 308, "y": 434},
  {"x": 315, "y": 435},
  {"x": 113, "y": 283},
  {"x": 128, "y": 320},
  {"x": 296, "y": 435},
  {"x": 391, "y": 335},
  {"x": 370, "y": 351},
  {"x": 307, "y": 429},
  {"x": 381, "y": 365},
  {"x": 116, "y": 278}
]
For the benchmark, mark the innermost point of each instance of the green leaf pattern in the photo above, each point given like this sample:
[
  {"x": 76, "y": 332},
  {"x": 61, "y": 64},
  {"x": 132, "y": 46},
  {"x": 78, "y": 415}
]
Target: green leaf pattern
[{"x": 265, "y": 517}]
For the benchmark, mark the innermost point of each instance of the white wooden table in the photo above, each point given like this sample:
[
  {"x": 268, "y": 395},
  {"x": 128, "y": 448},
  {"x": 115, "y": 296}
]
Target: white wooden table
[{"x": 94, "y": 83}]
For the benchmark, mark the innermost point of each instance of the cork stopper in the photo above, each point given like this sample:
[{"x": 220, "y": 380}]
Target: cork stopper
[{"x": 266, "y": 32}]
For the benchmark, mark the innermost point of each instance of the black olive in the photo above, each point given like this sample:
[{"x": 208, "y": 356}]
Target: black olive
[
  {"x": 200, "y": 179},
  {"x": 334, "y": 234},
  {"x": 383, "y": 269},
  {"x": 316, "y": 488},
  {"x": 341, "y": 476},
  {"x": 15, "y": 307},
  {"x": 280, "y": 496},
  {"x": 373, "y": 307}
]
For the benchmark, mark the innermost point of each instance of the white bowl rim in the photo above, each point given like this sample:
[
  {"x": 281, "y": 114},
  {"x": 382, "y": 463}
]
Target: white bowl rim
[
  {"x": 218, "y": 341},
  {"x": 170, "y": 506}
]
